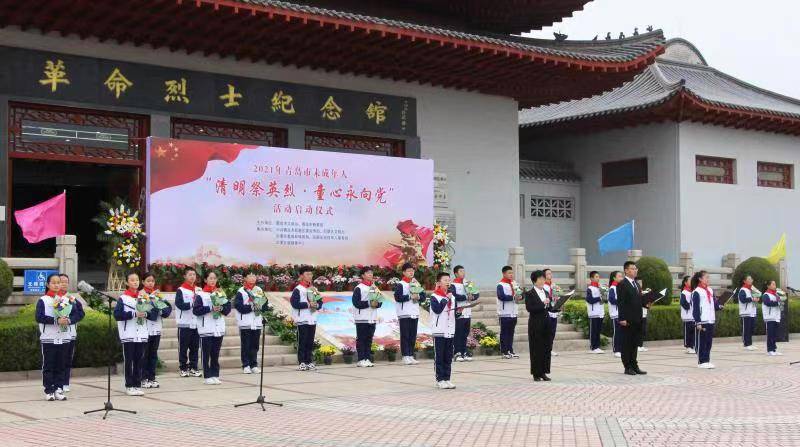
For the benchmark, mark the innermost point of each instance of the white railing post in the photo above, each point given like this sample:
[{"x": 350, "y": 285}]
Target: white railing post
[
  {"x": 516, "y": 259},
  {"x": 577, "y": 257},
  {"x": 783, "y": 274},
  {"x": 67, "y": 256},
  {"x": 730, "y": 260},
  {"x": 634, "y": 255},
  {"x": 687, "y": 262}
]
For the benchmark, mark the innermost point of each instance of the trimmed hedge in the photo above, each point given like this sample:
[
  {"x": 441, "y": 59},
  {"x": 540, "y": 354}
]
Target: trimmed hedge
[
  {"x": 664, "y": 322},
  {"x": 655, "y": 275},
  {"x": 759, "y": 268},
  {"x": 20, "y": 349},
  {"x": 6, "y": 282}
]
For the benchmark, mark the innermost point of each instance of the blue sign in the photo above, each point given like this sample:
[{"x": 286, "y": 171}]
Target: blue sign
[{"x": 36, "y": 281}]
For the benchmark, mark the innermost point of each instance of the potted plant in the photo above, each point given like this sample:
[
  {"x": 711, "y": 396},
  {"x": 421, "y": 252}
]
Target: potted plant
[
  {"x": 327, "y": 353},
  {"x": 391, "y": 351},
  {"x": 428, "y": 348},
  {"x": 489, "y": 345},
  {"x": 347, "y": 354},
  {"x": 375, "y": 350}
]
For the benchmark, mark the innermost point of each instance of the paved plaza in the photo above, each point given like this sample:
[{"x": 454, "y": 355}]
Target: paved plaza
[{"x": 750, "y": 399}]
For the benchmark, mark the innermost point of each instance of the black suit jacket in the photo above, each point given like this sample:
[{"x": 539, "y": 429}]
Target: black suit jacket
[
  {"x": 629, "y": 303},
  {"x": 534, "y": 304}
]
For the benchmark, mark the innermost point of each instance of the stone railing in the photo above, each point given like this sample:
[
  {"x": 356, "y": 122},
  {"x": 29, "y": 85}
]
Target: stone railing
[
  {"x": 576, "y": 273},
  {"x": 65, "y": 260}
]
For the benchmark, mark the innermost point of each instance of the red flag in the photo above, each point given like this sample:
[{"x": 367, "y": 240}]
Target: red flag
[{"x": 45, "y": 220}]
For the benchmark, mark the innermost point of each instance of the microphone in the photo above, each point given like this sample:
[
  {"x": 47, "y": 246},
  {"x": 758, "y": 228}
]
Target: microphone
[
  {"x": 793, "y": 290},
  {"x": 85, "y": 287}
]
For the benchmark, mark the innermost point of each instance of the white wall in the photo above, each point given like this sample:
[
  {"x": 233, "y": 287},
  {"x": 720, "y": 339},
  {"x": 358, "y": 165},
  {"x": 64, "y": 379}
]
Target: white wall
[
  {"x": 742, "y": 218},
  {"x": 473, "y": 138},
  {"x": 547, "y": 241},
  {"x": 654, "y": 206}
]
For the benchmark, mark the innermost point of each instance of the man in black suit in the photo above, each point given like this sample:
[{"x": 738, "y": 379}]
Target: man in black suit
[{"x": 630, "y": 303}]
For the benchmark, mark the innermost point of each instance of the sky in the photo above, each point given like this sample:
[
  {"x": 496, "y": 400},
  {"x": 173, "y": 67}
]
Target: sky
[{"x": 755, "y": 41}]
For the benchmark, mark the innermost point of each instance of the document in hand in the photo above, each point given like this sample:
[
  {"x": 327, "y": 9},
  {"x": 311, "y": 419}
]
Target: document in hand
[
  {"x": 561, "y": 300},
  {"x": 653, "y": 296},
  {"x": 725, "y": 297}
]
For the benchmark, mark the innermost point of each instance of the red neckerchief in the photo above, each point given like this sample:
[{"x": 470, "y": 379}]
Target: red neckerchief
[
  {"x": 548, "y": 282},
  {"x": 595, "y": 284},
  {"x": 746, "y": 287},
  {"x": 442, "y": 292},
  {"x": 366, "y": 283},
  {"x": 708, "y": 293},
  {"x": 688, "y": 288},
  {"x": 459, "y": 280},
  {"x": 187, "y": 286},
  {"x": 507, "y": 281},
  {"x": 305, "y": 284},
  {"x": 51, "y": 294},
  {"x": 207, "y": 288},
  {"x": 773, "y": 292},
  {"x": 132, "y": 293},
  {"x": 407, "y": 279},
  {"x": 613, "y": 284},
  {"x": 248, "y": 286},
  {"x": 149, "y": 290}
]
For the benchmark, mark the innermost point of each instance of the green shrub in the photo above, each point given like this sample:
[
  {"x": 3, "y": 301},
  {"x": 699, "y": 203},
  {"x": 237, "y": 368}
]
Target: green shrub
[
  {"x": 20, "y": 349},
  {"x": 759, "y": 268},
  {"x": 654, "y": 274},
  {"x": 6, "y": 282}
]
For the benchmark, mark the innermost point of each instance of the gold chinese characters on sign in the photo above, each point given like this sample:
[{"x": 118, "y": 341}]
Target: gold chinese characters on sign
[
  {"x": 330, "y": 110},
  {"x": 281, "y": 102},
  {"x": 117, "y": 83},
  {"x": 55, "y": 73},
  {"x": 376, "y": 112},
  {"x": 176, "y": 91},
  {"x": 231, "y": 97}
]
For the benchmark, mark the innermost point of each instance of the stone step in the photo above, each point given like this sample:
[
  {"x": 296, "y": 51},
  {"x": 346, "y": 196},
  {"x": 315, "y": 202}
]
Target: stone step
[
  {"x": 228, "y": 341},
  {"x": 172, "y": 322},
  {"x": 229, "y": 351},
  {"x": 522, "y": 333},
  {"x": 492, "y": 314},
  {"x": 234, "y": 361},
  {"x": 168, "y": 333}
]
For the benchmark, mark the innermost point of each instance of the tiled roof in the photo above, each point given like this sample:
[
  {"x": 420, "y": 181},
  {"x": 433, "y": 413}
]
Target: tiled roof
[{"x": 547, "y": 171}]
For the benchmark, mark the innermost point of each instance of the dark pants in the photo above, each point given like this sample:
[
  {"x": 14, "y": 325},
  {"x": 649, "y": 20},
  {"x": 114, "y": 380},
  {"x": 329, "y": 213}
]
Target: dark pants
[
  {"x": 595, "y": 325},
  {"x": 462, "y": 332},
  {"x": 631, "y": 336},
  {"x": 211, "y": 347},
  {"x": 250, "y": 340},
  {"x": 54, "y": 360},
  {"x": 772, "y": 336},
  {"x": 188, "y": 342},
  {"x": 553, "y": 326},
  {"x": 748, "y": 326},
  {"x": 688, "y": 334},
  {"x": 151, "y": 357},
  {"x": 507, "y": 326},
  {"x": 644, "y": 332},
  {"x": 305, "y": 342},
  {"x": 364, "y": 334},
  {"x": 133, "y": 354},
  {"x": 540, "y": 344},
  {"x": 705, "y": 339},
  {"x": 443, "y": 357},
  {"x": 408, "y": 336},
  {"x": 616, "y": 337},
  {"x": 70, "y": 356}
]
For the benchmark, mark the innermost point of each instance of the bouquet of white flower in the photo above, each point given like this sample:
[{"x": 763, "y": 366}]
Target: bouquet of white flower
[
  {"x": 471, "y": 288},
  {"x": 375, "y": 295},
  {"x": 257, "y": 298},
  {"x": 62, "y": 308},
  {"x": 604, "y": 294},
  {"x": 415, "y": 287},
  {"x": 143, "y": 304},
  {"x": 218, "y": 298}
]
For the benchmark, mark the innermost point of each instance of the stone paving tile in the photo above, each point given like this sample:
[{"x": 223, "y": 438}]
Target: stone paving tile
[{"x": 750, "y": 399}]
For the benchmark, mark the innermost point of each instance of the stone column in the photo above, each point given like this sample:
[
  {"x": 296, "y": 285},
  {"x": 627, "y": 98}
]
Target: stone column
[
  {"x": 634, "y": 255},
  {"x": 516, "y": 259},
  {"x": 783, "y": 274},
  {"x": 577, "y": 257},
  {"x": 687, "y": 262},
  {"x": 67, "y": 256},
  {"x": 731, "y": 260}
]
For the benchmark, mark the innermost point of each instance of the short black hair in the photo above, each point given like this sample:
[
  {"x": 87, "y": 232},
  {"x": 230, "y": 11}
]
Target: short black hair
[
  {"x": 457, "y": 268},
  {"x": 363, "y": 270},
  {"x": 627, "y": 264},
  {"x": 64, "y": 275},
  {"x": 210, "y": 272},
  {"x": 546, "y": 270},
  {"x": 132, "y": 272},
  {"x": 406, "y": 266},
  {"x": 147, "y": 275},
  {"x": 188, "y": 269},
  {"x": 305, "y": 268},
  {"x": 250, "y": 272},
  {"x": 441, "y": 275},
  {"x": 536, "y": 275},
  {"x": 689, "y": 278},
  {"x": 506, "y": 268},
  {"x": 594, "y": 272}
]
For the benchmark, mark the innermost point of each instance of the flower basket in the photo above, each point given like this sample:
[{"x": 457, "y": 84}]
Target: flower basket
[
  {"x": 487, "y": 350},
  {"x": 116, "y": 279},
  {"x": 391, "y": 356},
  {"x": 348, "y": 358},
  {"x": 430, "y": 352},
  {"x": 329, "y": 359}
]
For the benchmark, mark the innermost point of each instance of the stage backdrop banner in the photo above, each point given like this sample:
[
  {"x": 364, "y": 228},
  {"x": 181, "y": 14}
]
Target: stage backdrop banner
[{"x": 235, "y": 204}]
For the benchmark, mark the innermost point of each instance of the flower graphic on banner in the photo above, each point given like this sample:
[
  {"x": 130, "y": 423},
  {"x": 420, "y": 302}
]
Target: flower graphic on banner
[{"x": 413, "y": 246}]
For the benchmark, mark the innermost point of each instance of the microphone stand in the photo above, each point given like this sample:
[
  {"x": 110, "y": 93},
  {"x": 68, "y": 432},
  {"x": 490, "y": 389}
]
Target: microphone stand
[
  {"x": 108, "y": 406},
  {"x": 261, "y": 400}
]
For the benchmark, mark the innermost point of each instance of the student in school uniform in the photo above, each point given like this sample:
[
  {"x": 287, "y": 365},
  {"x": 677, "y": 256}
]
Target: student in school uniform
[
  {"x": 704, "y": 307},
  {"x": 132, "y": 328},
  {"x": 53, "y": 337},
  {"x": 304, "y": 313},
  {"x": 596, "y": 312},
  {"x": 553, "y": 317},
  {"x": 188, "y": 339},
  {"x": 772, "y": 316},
  {"x": 642, "y": 347},
  {"x": 210, "y": 327},
  {"x": 407, "y": 309},
  {"x": 154, "y": 325},
  {"x": 75, "y": 317},
  {"x": 464, "y": 317},
  {"x": 687, "y": 315},
  {"x": 250, "y": 324},
  {"x": 443, "y": 329},
  {"x": 613, "y": 312},
  {"x": 366, "y": 317},
  {"x": 748, "y": 310},
  {"x": 507, "y": 312}
]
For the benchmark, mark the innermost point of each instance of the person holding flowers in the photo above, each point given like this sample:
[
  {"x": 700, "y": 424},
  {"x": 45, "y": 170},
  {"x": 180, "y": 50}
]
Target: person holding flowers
[
  {"x": 748, "y": 310},
  {"x": 704, "y": 307},
  {"x": 131, "y": 315},
  {"x": 305, "y": 302},
  {"x": 464, "y": 292},
  {"x": 443, "y": 328},
  {"x": 408, "y": 295},
  {"x": 52, "y": 316},
  {"x": 596, "y": 312},
  {"x": 211, "y": 305},
  {"x": 613, "y": 312},
  {"x": 75, "y": 317},
  {"x": 687, "y": 315},
  {"x": 250, "y": 303},
  {"x": 366, "y": 301},
  {"x": 771, "y": 301},
  {"x": 161, "y": 308},
  {"x": 508, "y": 294},
  {"x": 188, "y": 339}
]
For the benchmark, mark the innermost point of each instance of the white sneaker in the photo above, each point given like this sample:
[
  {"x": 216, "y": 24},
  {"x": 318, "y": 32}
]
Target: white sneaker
[
  {"x": 59, "y": 395},
  {"x": 691, "y": 351},
  {"x": 217, "y": 381},
  {"x": 618, "y": 354},
  {"x": 705, "y": 366},
  {"x": 183, "y": 373},
  {"x": 247, "y": 370},
  {"x": 459, "y": 358},
  {"x": 154, "y": 384},
  {"x": 750, "y": 348},
  {"x": 195, "y": 373},
  {"x": 368, "y": 363},
  {"x": 450, "y": 385},
  {"x": 598, "y": 351},
  {"x": 360, "y": 364},
  {"x": 65, "y": 388},
  {"x": 131, "y": 391},
  {"x": 468, "y": 358},
  {"x": 312, "y": 366},
  {"x": 49, "y": 397},
  {"x": 210, "y": 381},
  {"x": 408, "y": 361},
  {"x": 146, "y": 384},
  {"x": 442, "y": 385},
  {"x": 506, "y": 356},
  {"x": 554, "y": 354},
  {"x": 514, "y": 355},
  {"x": 642, "y": 349},
  {"x": 777, "y": 353},
  {"x": 302, "y": 367},
  {"x": 414, "y": 361},
  {"x": 139, "y": 391},
  {"x": 256, "y": 370}
]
